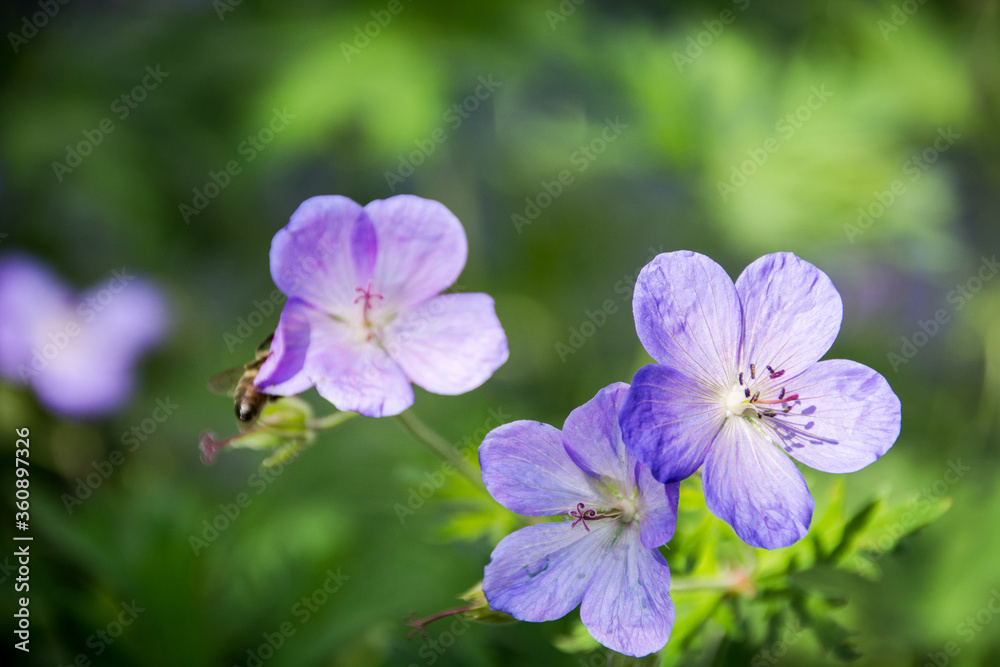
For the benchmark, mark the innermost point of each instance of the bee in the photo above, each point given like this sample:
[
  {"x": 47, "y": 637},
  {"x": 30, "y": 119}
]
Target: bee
[{"x": 238, "y": 382}]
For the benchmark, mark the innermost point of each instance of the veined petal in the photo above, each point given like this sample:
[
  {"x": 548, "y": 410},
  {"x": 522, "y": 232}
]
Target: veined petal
[
  {"x": 313, "y": 257},
  {"x": 846, "y": 417},
  {"x": 539, "y": 573},
  {"x": 688, "y": 317},
  {"x": 627, "y": 606},
  {"x": 593, "y": 439},
  {"x": 421, "y": 249},
  {"x": 283, "y": 373},
  {"x": 669, "y": 420},
  {"x": 791, "y": 313},
  {"x": 356, "y": 376},
  {"x": 755, "y": 488},
  {"x": 527, "y": 470},
  {"x": 657, "y": 511},
  {"x": 450, "y": 344}
]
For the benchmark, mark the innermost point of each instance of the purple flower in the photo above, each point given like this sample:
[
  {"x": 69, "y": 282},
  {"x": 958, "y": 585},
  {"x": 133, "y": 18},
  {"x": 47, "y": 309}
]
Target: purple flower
[
  {"x": 604, "y": 556},
  {"x": 738, "y": 379},
  {"x": 365, "y": 314},
  {"x": 76, "y": 352}
]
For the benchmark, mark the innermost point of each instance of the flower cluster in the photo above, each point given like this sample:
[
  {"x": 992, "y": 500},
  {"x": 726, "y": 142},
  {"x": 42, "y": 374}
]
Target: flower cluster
[{"x": 738, "y": 391}]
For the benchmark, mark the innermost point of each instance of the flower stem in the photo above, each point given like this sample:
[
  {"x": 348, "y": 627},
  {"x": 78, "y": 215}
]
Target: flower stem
[
  {"x": 439, "y": 446},
  {"x": 336, "y": 419}
]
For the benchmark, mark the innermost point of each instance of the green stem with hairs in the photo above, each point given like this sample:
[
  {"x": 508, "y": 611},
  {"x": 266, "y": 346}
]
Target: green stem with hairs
[{"x": 439, "y": 446}]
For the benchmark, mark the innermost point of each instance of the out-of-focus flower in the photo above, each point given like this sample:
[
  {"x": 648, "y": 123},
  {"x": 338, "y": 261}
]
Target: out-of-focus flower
[
  {"x": 365, "y": 315},
  {"x": 604, "y": 556},
  {"x": 76, "y": 351},
  {"x": 739, "y": 379}
]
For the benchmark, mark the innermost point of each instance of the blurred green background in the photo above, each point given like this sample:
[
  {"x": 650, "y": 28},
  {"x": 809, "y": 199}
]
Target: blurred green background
[{"x": 863, "y": 136}]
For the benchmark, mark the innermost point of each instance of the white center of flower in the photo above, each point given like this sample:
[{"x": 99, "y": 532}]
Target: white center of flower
[
  {"x": 627, "y": 508},
  {"x": 737, "y": 403}
]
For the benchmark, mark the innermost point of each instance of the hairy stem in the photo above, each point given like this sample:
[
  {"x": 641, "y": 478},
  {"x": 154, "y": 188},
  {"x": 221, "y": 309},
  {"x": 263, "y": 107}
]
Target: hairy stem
[{"x": 439, "y": 446}]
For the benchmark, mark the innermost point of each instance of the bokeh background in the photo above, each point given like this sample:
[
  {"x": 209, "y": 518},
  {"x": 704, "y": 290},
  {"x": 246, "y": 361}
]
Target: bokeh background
[{"x": 730, "y": 128}]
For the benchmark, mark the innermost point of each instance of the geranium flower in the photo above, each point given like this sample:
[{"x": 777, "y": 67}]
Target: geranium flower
[
  {"x": 76, "y": 351},
  {"x": 365, "y": 315},
  {"x": 738, "y": 381},
  {"x": 604, "y": 556}
]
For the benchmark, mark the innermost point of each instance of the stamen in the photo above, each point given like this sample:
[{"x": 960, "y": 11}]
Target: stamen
[
  {"x": 777, "y": 374},
  {"x": 787, "y": 409},
  {"x": 753, "y": 371},
  {"x": 782, "y": 394},
  {"x": 769, "y": 369},
  {"x": 741, "y": 379},
  {"x": 756, "y": 395},
  {"x": 581, "y": 514},
  {"x": 367, "y": 295},
  {"x": 747, "y": 392},
  {"x": 769, "y": 413}
]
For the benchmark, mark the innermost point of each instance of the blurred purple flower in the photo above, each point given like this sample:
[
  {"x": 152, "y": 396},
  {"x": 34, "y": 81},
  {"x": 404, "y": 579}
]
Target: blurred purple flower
[
  {"x": 604, "y": 557},
  {"x": 365, "y": 315},
  {"x": 738, "y": 379},
  {"x": 76, "y": 351}
]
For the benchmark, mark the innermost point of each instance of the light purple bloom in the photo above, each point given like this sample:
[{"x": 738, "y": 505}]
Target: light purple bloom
[
  {"x": 738, "y": 381},
  {"x": 76, "y": 351},
  {"x": 365, "y": 314},
  {"x": 604, "y": 556}
]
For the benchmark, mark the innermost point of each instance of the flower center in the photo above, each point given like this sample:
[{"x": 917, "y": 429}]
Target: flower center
[
  {"x": 367, "y": 296},
  {"x": 759, "y": 396},
  {"x": 625, "y": 512}
]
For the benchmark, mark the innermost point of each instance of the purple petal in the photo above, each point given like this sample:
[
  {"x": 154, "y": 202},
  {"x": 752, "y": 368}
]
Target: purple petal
[
  {"x": 356, "y": 376},
  {"x": 657, "y": 508},
  {"x": 593, "y": 439},
  {"x": 313, "y": 256},
  {"x": 792, "y": 314},
  {"x": 364, "y": 248},
  {"x": 669, "y": 420},
  {"x": 94, "y": 374},
  {"x": 688, "y": 317},
  {"x": 539, "y": 573},
  {"x": 846, "y": 417},
  {"x": 283, "y": 373},
  {"x": 754, "y": 487},
  {"x": 421, "y": 249},
  {"x": 527, "y": 470},
  {"x": 31, "y": 299},
  {"x": 627, "y": 607},
  {"x": 451, "y": 344}
]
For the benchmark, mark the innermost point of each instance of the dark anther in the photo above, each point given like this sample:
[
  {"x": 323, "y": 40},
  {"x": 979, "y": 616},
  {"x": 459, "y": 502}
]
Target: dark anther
[
  {"x": 756, "y": 395},
  {"x": 746, "y": 391},
  {"x": 782, "y": 394},
  {"x": 753, "y": 372},
  {"x": 769, "y": 413},
  {"x": 741, "y": 379}
]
